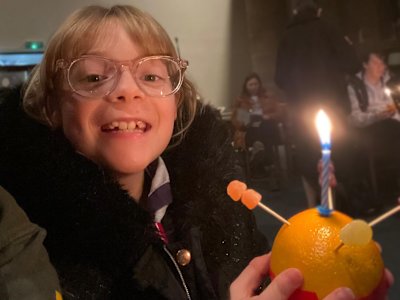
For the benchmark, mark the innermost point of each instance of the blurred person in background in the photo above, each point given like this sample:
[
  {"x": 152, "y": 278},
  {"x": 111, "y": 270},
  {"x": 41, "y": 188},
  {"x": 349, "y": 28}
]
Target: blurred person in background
[
  {"x": 376, "y": 121},
  {"x": 313, "y": 60},
  {"x": 255, "y": 121}
]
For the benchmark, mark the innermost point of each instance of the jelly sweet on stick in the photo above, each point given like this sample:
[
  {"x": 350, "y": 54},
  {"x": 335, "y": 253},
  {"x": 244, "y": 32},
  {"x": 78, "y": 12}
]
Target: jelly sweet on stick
[
  {"x": 359, "y": 232},
  {"x": 356, "y": 233},
  {"x": 235, "y": 189},
  {"x": 250, "y": 198}
]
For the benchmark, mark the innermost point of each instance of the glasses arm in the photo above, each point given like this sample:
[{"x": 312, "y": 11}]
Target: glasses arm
[{"x": 61, "y": 64}]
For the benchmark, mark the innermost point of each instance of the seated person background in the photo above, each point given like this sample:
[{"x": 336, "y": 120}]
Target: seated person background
[
  {"x": 371, "y": 103},
  {"x": 255, "y": 120},
  {"x": 374, "y": 116}
]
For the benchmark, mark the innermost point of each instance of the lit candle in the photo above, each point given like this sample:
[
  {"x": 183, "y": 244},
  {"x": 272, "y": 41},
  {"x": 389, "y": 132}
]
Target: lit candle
[{"x": 324, "y": 128}]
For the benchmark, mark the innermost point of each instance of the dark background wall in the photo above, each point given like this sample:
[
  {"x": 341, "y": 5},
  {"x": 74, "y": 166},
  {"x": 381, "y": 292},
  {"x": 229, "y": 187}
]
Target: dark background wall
[{"x": 224, "y": 40}]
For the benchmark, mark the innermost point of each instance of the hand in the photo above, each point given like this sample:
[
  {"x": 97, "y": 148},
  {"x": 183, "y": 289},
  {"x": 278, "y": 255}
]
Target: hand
[
  {"x": 247, "y": 282},
  {"x": 386, "y": 282},
  {"x": 281, "y": 288},
  {"x": 382, "y": 289}
]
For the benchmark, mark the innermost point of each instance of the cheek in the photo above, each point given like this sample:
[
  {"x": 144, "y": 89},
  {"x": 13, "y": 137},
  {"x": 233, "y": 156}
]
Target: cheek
[
  {"x": 170, "y": 117},
  {"x": 178, "y": 102},
  {"x": 175, "y": 114},
  {"x": 74, "y": 120},
  {"x": 70, "y": 123},
  {"x": 167, "y": 123}
]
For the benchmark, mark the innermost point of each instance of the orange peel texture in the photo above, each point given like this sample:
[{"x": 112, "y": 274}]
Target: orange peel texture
[{"x": 310, "y": 243}]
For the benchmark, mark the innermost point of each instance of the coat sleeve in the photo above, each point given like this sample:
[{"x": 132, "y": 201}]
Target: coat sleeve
[{"x": 25, "y": 269}]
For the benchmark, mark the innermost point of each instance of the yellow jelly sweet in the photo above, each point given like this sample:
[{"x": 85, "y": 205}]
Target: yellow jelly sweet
[{"x": 357, "y": 232}]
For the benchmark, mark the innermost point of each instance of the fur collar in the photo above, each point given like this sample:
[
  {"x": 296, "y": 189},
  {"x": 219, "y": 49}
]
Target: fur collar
[{"x": 91, "y": 219}]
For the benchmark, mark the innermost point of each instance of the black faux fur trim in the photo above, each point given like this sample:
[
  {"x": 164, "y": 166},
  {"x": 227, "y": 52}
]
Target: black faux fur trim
[{"x": 92, "y": 221}]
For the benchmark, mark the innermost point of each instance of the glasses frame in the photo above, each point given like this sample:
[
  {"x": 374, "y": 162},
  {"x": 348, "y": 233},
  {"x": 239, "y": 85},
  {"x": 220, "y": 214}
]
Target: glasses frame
[{"x": 132, "y": 65}]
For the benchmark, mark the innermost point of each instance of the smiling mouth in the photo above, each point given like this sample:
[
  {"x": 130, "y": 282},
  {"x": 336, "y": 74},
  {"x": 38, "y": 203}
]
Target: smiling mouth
[{"x": 131, "y": 126}]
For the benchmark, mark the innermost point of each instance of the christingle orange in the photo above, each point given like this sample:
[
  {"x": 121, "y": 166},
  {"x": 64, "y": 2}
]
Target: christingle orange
[{"x": 331, "y": 250}]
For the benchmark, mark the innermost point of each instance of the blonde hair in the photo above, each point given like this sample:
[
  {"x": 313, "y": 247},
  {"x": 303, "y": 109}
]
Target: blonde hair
[{"x": 76, "y": 36}]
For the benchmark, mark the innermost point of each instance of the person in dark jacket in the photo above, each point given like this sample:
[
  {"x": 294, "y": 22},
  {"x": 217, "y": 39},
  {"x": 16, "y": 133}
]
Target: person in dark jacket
[
  {"x": 25, "y": 270},
  {"x": 312, "y": 62}
]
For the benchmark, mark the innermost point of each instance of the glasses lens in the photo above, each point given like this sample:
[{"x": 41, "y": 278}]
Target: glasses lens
[
  {"x": 158, "y": 76},
  {"x": 92, "y": 76}
]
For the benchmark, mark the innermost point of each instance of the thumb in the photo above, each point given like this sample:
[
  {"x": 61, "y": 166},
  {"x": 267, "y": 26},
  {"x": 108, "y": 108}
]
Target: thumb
[
  {"x": 250, "y": 278},
  {"x": 283, "y": 285}
]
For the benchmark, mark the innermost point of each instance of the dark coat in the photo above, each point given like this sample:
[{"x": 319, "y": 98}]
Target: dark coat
[
  {"x": 313, "y": 59},
  {"x": 101, "y": 242}
]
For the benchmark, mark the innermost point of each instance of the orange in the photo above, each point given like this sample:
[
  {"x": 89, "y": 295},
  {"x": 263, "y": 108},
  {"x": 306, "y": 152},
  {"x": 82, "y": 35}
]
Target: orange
[{"x": 310, "y": 243}]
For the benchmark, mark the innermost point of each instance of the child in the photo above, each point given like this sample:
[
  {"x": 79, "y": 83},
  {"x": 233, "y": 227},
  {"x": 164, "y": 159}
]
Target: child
[
  {"x": 133, "y": 200},
  {"x": 127, "y": 171}
]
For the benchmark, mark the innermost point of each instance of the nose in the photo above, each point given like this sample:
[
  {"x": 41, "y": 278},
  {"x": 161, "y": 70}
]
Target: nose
[{"x": 126, "y": 87}]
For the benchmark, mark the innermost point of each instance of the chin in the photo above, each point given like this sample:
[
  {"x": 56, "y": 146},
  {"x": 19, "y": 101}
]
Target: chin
[{"x": 128, "y": 167}]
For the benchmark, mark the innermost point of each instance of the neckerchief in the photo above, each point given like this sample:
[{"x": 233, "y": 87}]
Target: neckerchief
[{"x": 159, "y": 193}]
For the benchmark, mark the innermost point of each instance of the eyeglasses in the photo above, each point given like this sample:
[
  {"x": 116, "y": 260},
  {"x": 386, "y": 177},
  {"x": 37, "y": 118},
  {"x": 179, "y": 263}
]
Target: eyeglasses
[{"x": 96, "y": 76}]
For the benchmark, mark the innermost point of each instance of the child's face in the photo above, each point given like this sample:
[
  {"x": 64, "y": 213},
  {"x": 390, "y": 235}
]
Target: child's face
[{"x": 97, "y": 127}]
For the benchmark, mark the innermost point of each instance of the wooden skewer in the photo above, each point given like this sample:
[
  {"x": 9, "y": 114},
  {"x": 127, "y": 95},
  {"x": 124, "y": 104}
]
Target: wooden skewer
[
  {"x": 385, "y": 215},
  {"x": 339, "y": 246},
  {"x": 330, "y": 199},
  {"x": 271, "y": 212}
]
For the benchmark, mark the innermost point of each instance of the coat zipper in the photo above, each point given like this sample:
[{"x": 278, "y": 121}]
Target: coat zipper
[{"x": 179, "y": 272}]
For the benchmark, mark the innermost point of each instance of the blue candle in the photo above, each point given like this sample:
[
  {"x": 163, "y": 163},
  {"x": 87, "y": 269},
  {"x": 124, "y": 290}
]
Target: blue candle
[{"x": 324, "y": 131}]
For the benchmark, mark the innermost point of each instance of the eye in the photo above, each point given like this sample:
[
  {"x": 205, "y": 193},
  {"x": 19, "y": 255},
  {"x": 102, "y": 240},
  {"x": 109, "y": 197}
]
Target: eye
[
  {"x": 94, "y": 78},
  {"x": 151, "y": 77}
]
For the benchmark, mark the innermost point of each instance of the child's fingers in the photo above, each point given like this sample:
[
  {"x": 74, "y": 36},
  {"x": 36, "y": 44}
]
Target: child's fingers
[
  {"x": 283, "y": 286},
  {"x": 247, "y": 282}
]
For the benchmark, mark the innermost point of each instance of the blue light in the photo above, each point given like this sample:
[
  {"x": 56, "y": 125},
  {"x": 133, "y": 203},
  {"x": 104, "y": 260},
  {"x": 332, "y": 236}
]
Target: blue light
[{"x": 16, "y": 59}]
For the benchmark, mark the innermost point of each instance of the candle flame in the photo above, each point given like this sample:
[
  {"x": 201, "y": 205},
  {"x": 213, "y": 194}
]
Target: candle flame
[{"x": 324, "y": 127}]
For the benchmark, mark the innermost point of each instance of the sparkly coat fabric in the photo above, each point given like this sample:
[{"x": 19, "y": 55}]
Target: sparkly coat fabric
[{"x": 101, "y": 242}]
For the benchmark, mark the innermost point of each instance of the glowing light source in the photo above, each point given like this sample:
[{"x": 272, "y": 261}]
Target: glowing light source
[{"x": 324, "y": 128}]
